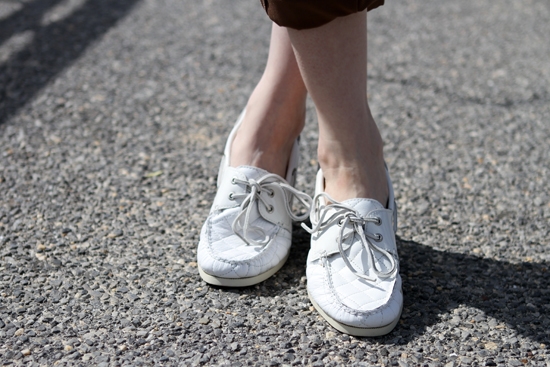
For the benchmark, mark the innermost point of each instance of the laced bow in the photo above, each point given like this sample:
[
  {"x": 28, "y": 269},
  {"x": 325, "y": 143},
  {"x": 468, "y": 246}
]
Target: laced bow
[
  {"x": 347, "y": 217},
  {"x": 254, "y": 198}
]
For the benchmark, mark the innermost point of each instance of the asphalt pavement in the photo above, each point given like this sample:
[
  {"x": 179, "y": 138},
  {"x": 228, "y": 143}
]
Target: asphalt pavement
[{"x": 113, "y": 117}]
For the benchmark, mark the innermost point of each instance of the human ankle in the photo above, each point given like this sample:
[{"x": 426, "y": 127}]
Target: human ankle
[
  {"x": 350, "y": 183},
  {"x": 265, "y": 138},
  {"x": 259, "y": 152},
  {"x": 354, "y": 174}
]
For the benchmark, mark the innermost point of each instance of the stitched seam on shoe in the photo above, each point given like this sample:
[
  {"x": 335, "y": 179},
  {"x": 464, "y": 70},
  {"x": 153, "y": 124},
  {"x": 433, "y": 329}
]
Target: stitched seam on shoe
[
  {"x": 341, "y": 306},
  {"x": 233, "y": 265},
  {"x": 208, "y": 248},
  {"x": 347, "y": 298},
  {"x": 239, "y": 262},
  {"x": 358, "y": 290}
]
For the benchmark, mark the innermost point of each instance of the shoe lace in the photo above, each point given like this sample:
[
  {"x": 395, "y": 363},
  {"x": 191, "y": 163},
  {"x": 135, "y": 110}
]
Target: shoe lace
[
  {"x": 266, "y": 183},
  {"x": 345, "y": 217}
]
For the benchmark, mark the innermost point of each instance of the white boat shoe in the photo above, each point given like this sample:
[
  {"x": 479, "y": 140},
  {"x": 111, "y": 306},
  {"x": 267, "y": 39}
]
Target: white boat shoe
[
  {"x": 247, "y": 235},
  {"x": 352, "y": 267}
]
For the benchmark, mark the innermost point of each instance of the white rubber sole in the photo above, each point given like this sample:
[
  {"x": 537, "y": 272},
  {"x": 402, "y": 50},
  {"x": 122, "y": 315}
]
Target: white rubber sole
[
  {"x": 356, "y": 331},
  {"x": 241, "y": 282}
]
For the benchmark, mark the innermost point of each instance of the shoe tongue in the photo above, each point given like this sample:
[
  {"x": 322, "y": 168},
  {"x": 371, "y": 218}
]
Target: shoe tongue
[
  {"x": 363, "y": 206},
  {"x": 253, "y": 173}
]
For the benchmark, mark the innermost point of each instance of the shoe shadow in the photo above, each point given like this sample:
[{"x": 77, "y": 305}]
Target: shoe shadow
[
  {"x": 54, "y": 46},
  {"x": 435, "y": 282},
  {"x": 516, "y": 295}
]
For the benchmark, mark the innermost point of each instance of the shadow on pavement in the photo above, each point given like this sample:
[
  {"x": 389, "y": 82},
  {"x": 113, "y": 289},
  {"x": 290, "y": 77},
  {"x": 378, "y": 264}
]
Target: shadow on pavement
[
  {"x": 436, "y": 282},
  {"x": 54, "y": 46}
]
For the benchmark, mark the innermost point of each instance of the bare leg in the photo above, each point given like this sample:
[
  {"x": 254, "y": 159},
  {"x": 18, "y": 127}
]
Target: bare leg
[
  {"x": 333, "y": 64},
  {"x": 275, "y": 112}
]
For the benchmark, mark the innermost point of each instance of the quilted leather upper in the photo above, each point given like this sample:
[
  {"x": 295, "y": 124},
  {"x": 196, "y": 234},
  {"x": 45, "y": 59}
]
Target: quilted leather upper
[
  {"x": 336, "y": 289},
  {"x": 222, "y": 252}
]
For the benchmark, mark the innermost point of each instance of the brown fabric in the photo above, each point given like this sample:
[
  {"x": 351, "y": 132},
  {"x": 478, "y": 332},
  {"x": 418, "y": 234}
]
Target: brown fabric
[{"x": 303, "y": 14}]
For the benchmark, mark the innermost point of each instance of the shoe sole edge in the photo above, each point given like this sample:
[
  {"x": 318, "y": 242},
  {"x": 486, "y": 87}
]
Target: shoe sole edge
[
  {"x": 241, "y": 282},
  {"x": 353, "y": 330}
]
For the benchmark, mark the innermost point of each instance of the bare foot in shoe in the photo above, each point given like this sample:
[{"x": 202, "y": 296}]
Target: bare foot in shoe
[
  {"x": 353, "y": 164},
  {"x": 266, "y": 136}
]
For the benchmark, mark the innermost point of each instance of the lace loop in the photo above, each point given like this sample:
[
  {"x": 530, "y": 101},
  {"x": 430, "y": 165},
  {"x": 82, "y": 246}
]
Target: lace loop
[
  {"x": 254, "y": 198},
  {"x": 346, "y": 217}
]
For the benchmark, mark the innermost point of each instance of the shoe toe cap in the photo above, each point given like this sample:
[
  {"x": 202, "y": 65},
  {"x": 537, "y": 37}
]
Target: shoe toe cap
[
  {"x": 351, "y": 304},
  {"x": 230, "y": 257}
]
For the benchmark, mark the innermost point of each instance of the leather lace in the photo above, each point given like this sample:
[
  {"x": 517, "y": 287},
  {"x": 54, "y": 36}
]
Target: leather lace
[
  {"x": 253, "y": 198},
  {"x": 347, "y": 217}
]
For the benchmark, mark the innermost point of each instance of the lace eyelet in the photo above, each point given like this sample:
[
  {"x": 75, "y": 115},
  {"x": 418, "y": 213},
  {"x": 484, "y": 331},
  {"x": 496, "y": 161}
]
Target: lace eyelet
[
  {"x": 270, "y": 209},
  {"x": 271, "y": 193},
  {"x": 379, "y": 237},
  {"x": 340, "y": 222},
  {"x": 233, "y": 181},
  {"x": 231, "y": 197},
  {"x": 378, "y": 221}
]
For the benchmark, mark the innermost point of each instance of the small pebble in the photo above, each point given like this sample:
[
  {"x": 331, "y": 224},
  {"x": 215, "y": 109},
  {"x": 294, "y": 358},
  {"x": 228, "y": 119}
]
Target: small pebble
[{"x": 116, "y": 233}]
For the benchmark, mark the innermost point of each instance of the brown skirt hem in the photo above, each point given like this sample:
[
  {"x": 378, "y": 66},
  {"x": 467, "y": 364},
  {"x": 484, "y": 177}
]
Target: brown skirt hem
[{"x": 304, "y": 14}]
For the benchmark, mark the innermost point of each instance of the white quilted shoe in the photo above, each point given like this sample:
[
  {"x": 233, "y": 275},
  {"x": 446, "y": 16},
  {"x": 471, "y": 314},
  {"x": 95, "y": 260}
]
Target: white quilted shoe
[
  {"x": 352, "y": 267},
  {"x": 247, "y": 235}
]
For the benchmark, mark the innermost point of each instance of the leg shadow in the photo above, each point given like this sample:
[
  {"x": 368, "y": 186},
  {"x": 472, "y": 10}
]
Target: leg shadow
[{"x": 54, "y": 47}]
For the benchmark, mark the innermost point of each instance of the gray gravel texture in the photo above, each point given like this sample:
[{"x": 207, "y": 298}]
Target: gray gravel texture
[{"x": 113, "y": 116}]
